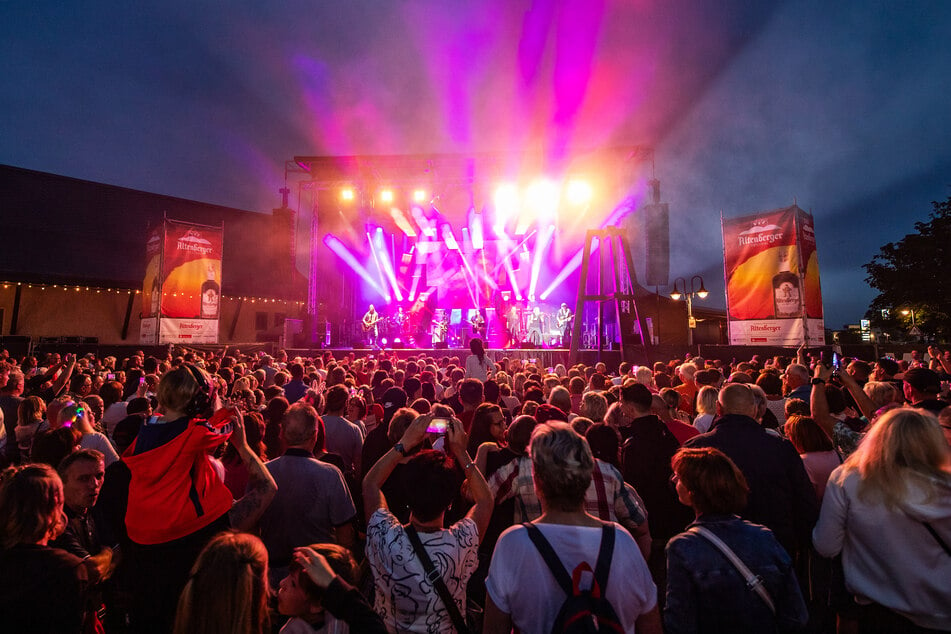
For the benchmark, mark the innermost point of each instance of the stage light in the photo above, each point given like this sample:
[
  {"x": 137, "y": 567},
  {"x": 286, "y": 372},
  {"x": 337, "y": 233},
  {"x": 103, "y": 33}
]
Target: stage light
[
  {"x": 347, "y": 194},
  {"x": 475, "y": 230},
  {"x": 542, "y": 195},
  {"x": 578, "y": 192},
  {"x": 386, "y": 196},
  {"x": 419, "y": 195},
  {"x": 506, "y": 204}
]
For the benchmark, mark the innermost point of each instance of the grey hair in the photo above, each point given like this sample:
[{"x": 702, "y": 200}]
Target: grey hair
[{"x": 561, "y": 465}]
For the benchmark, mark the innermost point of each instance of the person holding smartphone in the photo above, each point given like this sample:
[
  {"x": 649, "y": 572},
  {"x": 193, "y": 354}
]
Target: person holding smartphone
[{"x": 402, "y": 597}]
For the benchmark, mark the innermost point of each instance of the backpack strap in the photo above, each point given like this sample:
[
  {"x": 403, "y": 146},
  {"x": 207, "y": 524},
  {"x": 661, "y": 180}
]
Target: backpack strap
[
  {"x": 433, "y": 576},
  {"x": 602, "y": 569},
  {"x": 551, "y": 559}
]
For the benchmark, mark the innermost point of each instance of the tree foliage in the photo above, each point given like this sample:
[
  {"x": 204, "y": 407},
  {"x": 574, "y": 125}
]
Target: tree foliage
[{"x": 912, "y": 273}]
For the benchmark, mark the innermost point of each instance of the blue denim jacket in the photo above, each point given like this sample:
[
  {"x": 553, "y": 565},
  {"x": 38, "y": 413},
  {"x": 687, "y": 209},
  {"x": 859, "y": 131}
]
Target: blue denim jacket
[{"x": 705, "y": 592}]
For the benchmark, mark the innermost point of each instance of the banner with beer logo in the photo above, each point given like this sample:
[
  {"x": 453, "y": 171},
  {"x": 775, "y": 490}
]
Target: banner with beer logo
[
  {"x": 182, "y": 298},
  {"x": 771, "y": 270}
]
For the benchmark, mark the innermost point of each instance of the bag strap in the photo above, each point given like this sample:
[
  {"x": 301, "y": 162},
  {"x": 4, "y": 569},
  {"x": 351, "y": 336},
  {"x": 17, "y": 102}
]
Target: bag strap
[
  {"x": 562, "y": 578},
  {"x": 433, "y": 576},
  {"x": 602, "y": 568},
  {"x": 753, "y": 581},
  {"x": 937, "y": 538}
]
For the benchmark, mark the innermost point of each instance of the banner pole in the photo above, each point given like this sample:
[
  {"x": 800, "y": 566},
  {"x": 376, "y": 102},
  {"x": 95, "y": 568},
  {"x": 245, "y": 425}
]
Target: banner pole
[{"x": 726, "y": 283}]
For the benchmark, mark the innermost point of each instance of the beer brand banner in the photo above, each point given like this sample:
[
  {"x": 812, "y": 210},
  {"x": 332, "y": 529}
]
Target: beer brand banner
[
  {"x": 182, "y": 284},
  {"x": 771, "y": 269}
]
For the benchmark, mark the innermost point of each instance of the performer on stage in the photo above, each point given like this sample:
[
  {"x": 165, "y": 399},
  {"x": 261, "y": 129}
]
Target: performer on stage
[
  {"x": 512, "y": 327},
  {"x": 478, "y": 325},
  {"x": 563, "y": 320},
  {"x": 534, "y": 327},
  {"x": 401, "y": 319},
  {"x": 440, "y": 326},
  {"x": 370, "y": 323}
]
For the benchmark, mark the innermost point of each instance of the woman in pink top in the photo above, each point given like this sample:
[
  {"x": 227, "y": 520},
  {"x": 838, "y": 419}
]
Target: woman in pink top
[{"x": 815, "y": 448}]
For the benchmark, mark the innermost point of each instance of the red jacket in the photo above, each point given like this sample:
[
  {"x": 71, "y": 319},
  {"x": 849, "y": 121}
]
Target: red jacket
[{"x": 175, "y": 490}]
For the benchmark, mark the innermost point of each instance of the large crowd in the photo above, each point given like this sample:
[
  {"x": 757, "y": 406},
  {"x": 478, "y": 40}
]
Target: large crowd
[{"x": 247, "y": 494}]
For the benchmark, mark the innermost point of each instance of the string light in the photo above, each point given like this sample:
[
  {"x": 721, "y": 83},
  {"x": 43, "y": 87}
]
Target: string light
[{"x": 138, "y": 291}]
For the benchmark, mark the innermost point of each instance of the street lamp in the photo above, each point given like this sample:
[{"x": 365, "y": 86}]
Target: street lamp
[{"x": 681, "y": 291}]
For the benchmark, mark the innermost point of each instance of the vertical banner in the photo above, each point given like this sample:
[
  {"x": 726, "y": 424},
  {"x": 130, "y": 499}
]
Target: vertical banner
[
  {"x": 152, "y": 287},
  {"x": 191, "y": 284},
  {"x": 772, "y": 279}
]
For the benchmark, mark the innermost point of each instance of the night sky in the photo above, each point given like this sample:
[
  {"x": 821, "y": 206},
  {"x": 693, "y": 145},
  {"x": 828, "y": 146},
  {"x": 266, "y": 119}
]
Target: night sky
[{"x": 842, "y": 107}]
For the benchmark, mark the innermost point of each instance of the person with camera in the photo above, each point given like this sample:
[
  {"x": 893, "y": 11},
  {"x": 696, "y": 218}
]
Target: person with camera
[{"x": 405, "y": 597}]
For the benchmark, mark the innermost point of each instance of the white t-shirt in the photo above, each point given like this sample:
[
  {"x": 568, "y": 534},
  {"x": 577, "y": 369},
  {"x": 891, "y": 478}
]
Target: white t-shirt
[
  {"x": 476, "y": 370},
  {"x": 101, "y": 444},
  {"x": 405, "y": 600},
  {"x": 521, "y": 584}
]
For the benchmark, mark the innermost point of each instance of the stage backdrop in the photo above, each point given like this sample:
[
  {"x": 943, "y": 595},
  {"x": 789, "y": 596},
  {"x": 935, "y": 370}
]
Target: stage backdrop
[
  {"x": 182, "y": 286},
  {"x": 771, "y": 269}
]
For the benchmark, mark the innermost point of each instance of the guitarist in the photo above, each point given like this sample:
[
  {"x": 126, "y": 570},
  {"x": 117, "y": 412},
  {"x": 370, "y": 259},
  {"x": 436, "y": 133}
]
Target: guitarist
[
  {"x": 478, "y": 325},
  {"x": 563, "y": 321},
  {"x": 370, "y": 325}
]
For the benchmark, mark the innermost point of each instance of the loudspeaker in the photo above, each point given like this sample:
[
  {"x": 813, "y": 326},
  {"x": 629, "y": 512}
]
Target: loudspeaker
[
  {"x": 657, "y": 238},
  {"x": 359, "y": 345},
  {"x": 441, "y": 345},
  {"x": 527, "y": 345}
]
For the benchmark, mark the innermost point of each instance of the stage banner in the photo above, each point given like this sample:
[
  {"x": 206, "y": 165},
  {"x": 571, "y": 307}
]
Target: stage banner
[
  {"x": 772, "y": 279},
  {"x": 191, "y": 283},
  {"x": 151, "y": 287}
]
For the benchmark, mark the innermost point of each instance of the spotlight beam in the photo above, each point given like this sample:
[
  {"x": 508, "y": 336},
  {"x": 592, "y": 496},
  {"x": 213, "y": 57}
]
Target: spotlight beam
[{"x": 334, "y": 244}]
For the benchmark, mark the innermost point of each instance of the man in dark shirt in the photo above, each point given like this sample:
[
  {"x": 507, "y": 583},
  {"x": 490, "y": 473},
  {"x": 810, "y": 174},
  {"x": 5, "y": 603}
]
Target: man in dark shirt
[
  {"x": 781, "y": 496},
  {"x": 921, "y": 387},
  {"x": 83, "y": 473},
  {"x": 645, "y": 463}
]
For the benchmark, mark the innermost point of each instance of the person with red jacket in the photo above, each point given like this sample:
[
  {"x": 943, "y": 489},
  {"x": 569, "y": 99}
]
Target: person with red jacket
[{"x": 177, "y": 499}]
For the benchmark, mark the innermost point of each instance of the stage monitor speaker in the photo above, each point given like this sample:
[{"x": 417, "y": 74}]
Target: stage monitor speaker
[
  {"x": 360, "y": 346},
  {"x": 527, "y": 345},
  {"x": 441, "y": 345},
  {"x": 658, "y": 244}
]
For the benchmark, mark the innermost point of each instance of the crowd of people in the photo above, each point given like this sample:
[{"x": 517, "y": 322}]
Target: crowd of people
[{"x": 244, "y": 493}]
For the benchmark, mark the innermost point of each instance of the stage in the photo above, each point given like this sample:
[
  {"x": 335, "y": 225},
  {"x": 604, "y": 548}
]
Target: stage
[{"x": 543, "y": 357}]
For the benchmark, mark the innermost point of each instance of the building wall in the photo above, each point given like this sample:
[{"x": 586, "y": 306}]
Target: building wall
[{"x": 46, "y": 311}]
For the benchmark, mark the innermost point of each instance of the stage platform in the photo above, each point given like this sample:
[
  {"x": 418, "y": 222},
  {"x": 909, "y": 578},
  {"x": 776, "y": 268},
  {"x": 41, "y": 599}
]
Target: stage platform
[{"x": 544, "y": 357}]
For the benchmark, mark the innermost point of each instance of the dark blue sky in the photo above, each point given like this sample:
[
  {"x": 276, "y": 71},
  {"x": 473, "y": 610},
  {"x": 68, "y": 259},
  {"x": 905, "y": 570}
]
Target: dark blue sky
[{"x": 842, "y": 106}]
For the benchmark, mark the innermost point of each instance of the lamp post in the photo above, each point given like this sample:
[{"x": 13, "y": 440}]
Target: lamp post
[{"x": 681, "y": 291}]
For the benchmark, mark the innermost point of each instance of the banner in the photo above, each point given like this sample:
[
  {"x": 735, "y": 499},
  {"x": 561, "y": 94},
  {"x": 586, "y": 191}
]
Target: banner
[
  {"x": 771, "y": 270},
  {"x": 182, "y": 284},
  {"x": 152, "y": 287}
]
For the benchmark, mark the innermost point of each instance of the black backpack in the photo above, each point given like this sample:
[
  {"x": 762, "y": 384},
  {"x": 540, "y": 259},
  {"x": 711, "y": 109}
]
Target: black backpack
[{"x": 583, "y": 611}]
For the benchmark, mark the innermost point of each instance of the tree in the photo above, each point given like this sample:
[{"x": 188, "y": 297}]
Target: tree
[{"x": 911, "y": 274}]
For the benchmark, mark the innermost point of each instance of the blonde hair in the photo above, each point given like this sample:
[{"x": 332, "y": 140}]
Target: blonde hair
[
  {"x": 904, "y": 449},
  {"x": 561, "y": 465},
  {"x": 227, "y": 590},
  {"x": 707, "y": 400},
  {"x": 881, "y": 393}
]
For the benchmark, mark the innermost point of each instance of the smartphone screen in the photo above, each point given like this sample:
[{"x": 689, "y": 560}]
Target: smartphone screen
[{"x": 438, "y": 426}]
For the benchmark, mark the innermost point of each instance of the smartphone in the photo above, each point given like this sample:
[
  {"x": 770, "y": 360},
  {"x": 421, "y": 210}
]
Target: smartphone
[
  {"x": 836, "y": 365},
  {"x": 141, "y": 380},
  {"x": 438, "y": 426},
  {"x": 110, "y": 376}
]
